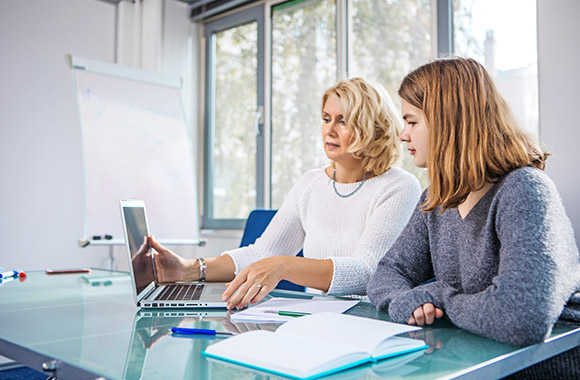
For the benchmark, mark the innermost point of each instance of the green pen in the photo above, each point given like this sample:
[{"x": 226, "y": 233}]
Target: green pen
[{"x": 285, "y": 313}]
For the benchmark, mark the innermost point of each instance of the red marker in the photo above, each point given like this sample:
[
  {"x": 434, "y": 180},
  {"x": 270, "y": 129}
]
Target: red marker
[{"x": 21, "y": 274}]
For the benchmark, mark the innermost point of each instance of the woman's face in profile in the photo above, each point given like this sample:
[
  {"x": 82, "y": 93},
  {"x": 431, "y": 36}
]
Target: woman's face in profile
[
  {"x": 415, "y": 133},
  {"x": 335, "y": 134}
]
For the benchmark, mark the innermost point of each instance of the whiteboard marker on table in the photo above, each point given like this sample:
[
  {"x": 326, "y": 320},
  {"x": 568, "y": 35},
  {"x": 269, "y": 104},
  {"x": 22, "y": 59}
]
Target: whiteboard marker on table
[{"x": 10, "y": 273}]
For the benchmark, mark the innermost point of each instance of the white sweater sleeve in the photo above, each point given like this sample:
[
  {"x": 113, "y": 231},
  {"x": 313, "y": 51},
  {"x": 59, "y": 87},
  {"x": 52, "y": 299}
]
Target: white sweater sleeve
[
  {"x": 387, "y": 219},
  {"x": 283, "y": 236}
]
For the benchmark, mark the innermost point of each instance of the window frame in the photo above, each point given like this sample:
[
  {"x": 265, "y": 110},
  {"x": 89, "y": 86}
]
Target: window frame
[
  {"x": 442, "y": 13},
  {"x": 253, "y": 14}
]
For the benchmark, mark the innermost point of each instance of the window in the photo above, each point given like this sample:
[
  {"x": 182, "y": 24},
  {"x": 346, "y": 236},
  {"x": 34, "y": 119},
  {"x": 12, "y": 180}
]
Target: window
[
  {"x": 304, "y": 65},
  {"x": 233, "y": 170},
  {"x": 388, "y": 40},
  {"x": 263, "y": 110},
  {"x": 484, "y": 30}
]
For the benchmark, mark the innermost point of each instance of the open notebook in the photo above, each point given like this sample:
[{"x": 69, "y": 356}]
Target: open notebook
[{"x": 317, "y": 345}]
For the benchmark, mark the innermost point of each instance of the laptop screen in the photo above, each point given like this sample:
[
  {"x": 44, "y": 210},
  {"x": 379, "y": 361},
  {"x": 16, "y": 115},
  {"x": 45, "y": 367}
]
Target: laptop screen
[{"x": 136, "y": 232}]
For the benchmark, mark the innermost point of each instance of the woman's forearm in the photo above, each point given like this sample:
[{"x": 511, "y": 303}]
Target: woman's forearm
[
  {"x": 313, "y": 273},
  {"x": 219, "y": 268}
]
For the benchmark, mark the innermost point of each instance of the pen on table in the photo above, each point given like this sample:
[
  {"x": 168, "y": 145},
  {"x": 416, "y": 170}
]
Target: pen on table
[
  {"x": 188, "y": 331},
  {"x": 10, "y": 273},
  {"x": 285, "y": 313}
]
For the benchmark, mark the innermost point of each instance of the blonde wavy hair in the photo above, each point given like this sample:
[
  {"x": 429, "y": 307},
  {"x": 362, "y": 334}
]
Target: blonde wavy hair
[
  {"x": 473, "y": 136},
  {"x": 372, "y": 120}
]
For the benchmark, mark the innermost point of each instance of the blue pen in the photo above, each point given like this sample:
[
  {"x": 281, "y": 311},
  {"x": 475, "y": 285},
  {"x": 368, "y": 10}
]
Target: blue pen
[
  {"x": 188, "y": 331},
  {"x": 10, "y": 273}
]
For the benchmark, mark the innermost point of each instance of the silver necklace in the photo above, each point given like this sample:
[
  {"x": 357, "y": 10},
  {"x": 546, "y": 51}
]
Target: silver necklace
[{"x": 349, "y": 194}]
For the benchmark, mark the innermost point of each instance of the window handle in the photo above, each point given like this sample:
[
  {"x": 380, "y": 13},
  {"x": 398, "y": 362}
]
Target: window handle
[{"x": 259, "y": 120}]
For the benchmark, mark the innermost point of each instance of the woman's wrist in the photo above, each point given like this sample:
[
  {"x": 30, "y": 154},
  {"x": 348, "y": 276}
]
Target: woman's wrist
[
  {"x": 191, "y": 270},
  {"x": 286, "y": 264}
]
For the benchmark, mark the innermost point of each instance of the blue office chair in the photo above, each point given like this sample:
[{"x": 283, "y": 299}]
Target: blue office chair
[{"x": 256, "y": 224}]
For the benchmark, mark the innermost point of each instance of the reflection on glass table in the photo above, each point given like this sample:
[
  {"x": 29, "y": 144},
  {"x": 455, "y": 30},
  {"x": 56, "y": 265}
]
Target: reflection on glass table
[{"x": 96, "y": 331}]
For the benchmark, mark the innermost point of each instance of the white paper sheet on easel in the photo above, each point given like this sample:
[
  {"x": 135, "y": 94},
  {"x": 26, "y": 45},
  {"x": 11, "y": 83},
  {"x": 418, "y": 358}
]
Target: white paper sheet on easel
[{"x": 266, "y": 312}]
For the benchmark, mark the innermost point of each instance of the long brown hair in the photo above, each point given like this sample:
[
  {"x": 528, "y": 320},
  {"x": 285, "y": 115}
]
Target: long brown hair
[{"x": 473, "y": 136}]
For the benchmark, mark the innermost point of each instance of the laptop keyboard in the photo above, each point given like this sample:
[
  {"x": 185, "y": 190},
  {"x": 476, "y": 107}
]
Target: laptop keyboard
[{"x": 186, "y": 292}]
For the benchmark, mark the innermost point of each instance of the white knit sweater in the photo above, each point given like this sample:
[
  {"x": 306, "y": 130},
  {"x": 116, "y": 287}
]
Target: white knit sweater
[{"x": 353, "y": 232}]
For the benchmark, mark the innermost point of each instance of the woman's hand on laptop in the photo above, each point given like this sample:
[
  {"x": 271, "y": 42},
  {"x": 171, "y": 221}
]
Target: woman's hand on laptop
[
  {"x": 255, "y": 281},
  {"x": 142, "y": 264},
  {"x": 170, "y": 266}
]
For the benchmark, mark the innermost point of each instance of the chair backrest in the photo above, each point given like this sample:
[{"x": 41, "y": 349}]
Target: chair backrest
[{"x": 256, "y": 224}]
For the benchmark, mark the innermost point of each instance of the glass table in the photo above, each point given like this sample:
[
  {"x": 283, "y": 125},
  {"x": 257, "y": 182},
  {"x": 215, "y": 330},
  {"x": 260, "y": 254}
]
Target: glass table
[{"x": 86, "y": 326}]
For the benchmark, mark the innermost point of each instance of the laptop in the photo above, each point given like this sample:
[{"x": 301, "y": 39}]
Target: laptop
[{"x": 148, "y": 292}]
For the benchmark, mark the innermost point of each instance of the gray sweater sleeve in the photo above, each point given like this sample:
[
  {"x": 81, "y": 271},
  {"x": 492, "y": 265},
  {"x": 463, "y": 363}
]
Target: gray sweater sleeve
[{"x": 402, "y": 268}]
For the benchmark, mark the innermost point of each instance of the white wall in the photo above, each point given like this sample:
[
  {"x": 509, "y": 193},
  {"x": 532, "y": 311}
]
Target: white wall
[
  {"x": 41, "y": 196},
  {"x": 559, "y": 92}
]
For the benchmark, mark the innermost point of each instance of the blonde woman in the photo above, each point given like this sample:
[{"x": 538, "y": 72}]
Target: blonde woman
[
  {"x": 343, "y": 216},
  {"x": 491, "y": 227}
]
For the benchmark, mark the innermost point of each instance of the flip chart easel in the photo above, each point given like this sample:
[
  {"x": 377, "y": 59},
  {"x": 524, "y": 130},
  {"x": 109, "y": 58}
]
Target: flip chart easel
[{"x": 135, "y": 146}]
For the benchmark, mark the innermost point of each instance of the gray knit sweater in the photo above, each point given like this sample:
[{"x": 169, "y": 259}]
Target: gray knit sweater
[{"x": 504, "y": 272}]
